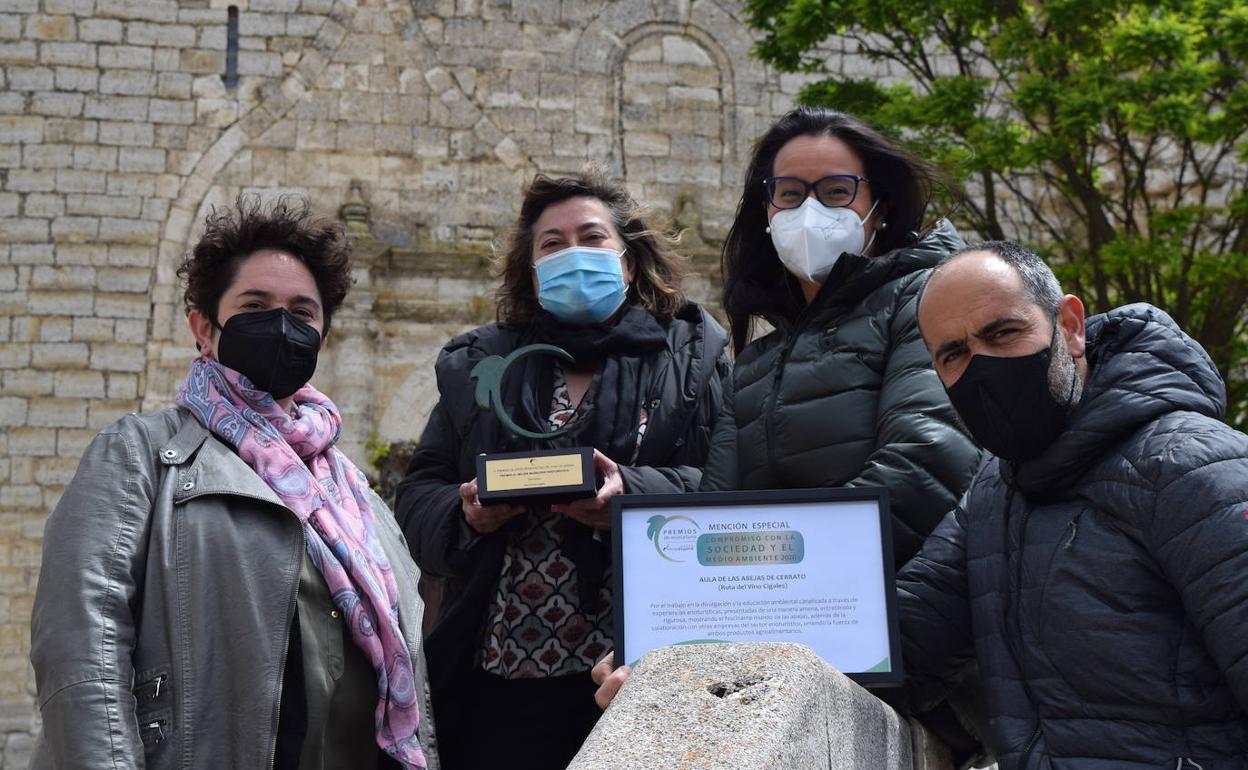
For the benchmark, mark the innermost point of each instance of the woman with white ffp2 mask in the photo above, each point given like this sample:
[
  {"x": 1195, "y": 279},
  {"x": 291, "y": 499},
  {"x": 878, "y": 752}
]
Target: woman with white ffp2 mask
[{"x": 841, "y": 392}]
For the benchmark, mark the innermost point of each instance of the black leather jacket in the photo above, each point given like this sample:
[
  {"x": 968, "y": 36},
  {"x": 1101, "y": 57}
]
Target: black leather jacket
[{"x": 162, "y": 616}]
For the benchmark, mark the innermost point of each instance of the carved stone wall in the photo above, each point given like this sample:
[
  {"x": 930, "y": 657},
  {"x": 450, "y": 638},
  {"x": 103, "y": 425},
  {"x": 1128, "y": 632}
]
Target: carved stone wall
[{"x": 118, "y": 134}]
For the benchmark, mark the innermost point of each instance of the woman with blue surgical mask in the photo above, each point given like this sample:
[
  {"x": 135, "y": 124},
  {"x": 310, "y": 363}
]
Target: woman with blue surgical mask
[{"x": 527, "y": 604}]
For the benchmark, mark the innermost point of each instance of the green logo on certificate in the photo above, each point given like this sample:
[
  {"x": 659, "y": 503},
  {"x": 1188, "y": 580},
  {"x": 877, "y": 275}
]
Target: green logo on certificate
[
  {"x": 674, "y": 536},
  {"x": 739, "y": 549}
]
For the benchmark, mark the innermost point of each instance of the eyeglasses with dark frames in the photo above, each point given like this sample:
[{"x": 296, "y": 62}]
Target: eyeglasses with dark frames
[{"x": 835, "y": 191}]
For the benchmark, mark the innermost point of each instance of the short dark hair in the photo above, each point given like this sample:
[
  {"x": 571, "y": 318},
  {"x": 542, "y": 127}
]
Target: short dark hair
[
  {"x": 1038, "y": 279},
  {"x": 755, "y": 281},
  {"x": 233, "y": 234},
  {"x": 657, "y": 269}
]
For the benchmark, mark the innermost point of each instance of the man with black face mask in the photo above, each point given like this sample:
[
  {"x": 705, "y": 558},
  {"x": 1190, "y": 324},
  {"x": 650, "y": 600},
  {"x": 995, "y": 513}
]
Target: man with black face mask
[{"x": 1095, "y": 568}]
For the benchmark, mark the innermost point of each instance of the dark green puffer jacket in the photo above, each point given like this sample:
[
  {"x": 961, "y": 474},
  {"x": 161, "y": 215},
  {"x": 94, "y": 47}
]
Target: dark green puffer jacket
[{"x": 846, "y": 396}]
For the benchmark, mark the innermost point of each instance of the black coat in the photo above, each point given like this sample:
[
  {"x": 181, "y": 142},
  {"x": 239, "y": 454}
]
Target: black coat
[
  {"x": 1103, "y": 586},
  {"x": 684, "y": 396},
  {"x": 846, "y": 396}
]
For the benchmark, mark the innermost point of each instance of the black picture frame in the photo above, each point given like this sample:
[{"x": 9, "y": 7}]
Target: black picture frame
[{"x": 736, "y": 499}]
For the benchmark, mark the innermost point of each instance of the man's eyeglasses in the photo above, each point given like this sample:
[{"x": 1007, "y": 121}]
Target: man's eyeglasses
[{"x": 789, "y": 192}]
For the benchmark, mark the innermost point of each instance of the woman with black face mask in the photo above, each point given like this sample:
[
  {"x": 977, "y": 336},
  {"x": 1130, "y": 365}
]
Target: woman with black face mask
[
  {"x": 221, "y": 587},
  {"x": 527, "y": 608}
]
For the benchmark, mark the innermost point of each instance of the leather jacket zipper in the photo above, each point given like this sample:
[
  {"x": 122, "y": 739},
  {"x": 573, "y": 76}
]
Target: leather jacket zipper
[
  {"x": 285, "y": 647},
  {"x": 153, "y": 732},
  {"x": 150, "y": 690}
]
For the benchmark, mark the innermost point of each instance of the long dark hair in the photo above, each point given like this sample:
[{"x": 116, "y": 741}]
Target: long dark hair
[
  {"x": 755, "y": 281},
  {"x": 658, "y": 269}
]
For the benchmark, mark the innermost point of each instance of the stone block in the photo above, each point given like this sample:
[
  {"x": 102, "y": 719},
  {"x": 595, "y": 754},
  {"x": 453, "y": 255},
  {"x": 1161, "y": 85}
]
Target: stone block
[
  {"x": 128, "y": 206},
  {"x": 127, "y": 108},
  {"x": 81, "y": 181},
  {"x": 76, "y": 7},
  {"x": 125, "y": 57},
  {"x": 71, "y": 131},
  {"x": 13, "y": 411},
  {"x": 50, "y": 277},
  {"x": 174, "y": 85},
  {"x": 23, "y": 52},
  {"x": 127, "y": 134},
  {"x": 147, "y": 34},
  {"x": 26, "y": 181},
  {"x": 46, "y": 27},
  {"x": 24, "y": 230},
  {"x": 706, "y": 707},
  {"x": 10, "y": 26},
  {"x": 14, "y": 356},
  {"x": 60, "y": 355},
  {"x": 128, "y": 82},
  {"x": 31, "y": 78},
  {"x": 164, "y": 11},
  {"x": 71, "y": 442},
  {"x": 44, "y": 205},
  {"x": 20, "y": 129},
  {"x": 71, "y": 230},
  {"x": 77, "y": 79},
  {"x": 9, "y": 203},
  {"x": 124, "y": 279},
  {"x": 59, "y": 105},
  {"x": 100, "y": 31},
  {"x": 123, "y": 386},
  {"x": 32, "y": 442},
  {"x": 80, "y": 384},
  {"x": 179, "y": 112},
  {"x": 48, "y": 156},
  {"x": 69, "y": 54},
  {"x": 92, "y": 329},
  {"x": 131, "y": 330},
  {"x": 95, "y": 158},
  {"x": 27, "y": 382},
  {"x": 57, "y": 413},
  {"x": 141, "y": 159},
  {"x": 117, "y": 305},
  {"x": 200, "y": 61},
  {"x": 260, "y": 63},
  {"x": 116, "y": 357}
]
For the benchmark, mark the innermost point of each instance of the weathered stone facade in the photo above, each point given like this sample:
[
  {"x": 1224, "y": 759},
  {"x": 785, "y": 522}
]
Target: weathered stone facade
[{"x": 118, "y": 134}]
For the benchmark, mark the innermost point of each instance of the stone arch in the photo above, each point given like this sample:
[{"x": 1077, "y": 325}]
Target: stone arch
[
  {"x": 276, "y": 99},
  {"x": 603, "y": 45}
]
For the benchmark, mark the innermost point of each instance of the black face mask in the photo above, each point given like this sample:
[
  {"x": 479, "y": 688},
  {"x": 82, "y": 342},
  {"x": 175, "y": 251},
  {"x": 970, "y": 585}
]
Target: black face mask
[
  {"x": 1007, "y": 405},
  {"x": 273, "y": 349}
]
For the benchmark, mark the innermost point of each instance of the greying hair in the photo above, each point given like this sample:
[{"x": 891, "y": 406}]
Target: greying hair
[{"x": 1038, "y": 279}]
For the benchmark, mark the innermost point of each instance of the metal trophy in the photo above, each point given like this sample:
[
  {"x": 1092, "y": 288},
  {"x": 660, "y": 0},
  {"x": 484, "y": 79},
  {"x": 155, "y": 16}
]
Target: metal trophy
[{"x": 540, "y": 476}]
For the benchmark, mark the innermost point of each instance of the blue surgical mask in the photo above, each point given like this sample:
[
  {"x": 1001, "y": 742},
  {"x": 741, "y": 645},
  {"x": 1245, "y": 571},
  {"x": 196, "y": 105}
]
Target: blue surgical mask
[{"x": 581, "y": 285}]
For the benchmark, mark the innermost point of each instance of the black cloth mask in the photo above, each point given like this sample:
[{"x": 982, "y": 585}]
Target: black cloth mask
[
  {"x": 1008, "y": 406},
  {"x": 272, "y": 348}
]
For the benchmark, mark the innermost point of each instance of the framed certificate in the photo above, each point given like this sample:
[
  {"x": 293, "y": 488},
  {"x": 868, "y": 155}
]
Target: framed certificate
[{"x": 813, "y": 566}]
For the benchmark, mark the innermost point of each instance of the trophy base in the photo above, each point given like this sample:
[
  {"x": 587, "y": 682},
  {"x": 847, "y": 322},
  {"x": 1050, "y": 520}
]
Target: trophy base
[{"x": 539, "y": 477}]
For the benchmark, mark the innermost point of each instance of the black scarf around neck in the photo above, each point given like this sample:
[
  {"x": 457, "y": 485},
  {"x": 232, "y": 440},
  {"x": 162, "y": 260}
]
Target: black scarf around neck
[{"x": 609, "y": 422}]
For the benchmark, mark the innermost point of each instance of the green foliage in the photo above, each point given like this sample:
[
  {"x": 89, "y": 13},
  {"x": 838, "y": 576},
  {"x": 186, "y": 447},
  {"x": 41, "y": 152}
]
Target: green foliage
[{"x": 1110, "y": 135}]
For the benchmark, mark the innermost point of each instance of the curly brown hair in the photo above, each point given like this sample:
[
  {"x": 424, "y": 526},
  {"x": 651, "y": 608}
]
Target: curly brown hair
[
  {"x": 233, "y": 234},
  {"x": 657, "y": 269}
]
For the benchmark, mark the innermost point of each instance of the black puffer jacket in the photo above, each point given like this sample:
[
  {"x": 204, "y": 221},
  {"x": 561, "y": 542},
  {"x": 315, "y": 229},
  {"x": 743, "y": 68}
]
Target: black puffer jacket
[
  {"x": 1103, "y": 586},
  {"x": 686, "y": 381},
  {"x": 846, "y": 396}
]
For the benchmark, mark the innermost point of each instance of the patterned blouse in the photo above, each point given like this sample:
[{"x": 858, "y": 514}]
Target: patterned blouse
[{"x": 537, "y": 628}]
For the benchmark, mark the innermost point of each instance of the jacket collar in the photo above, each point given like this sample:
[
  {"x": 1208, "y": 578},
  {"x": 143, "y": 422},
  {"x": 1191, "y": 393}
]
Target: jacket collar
[{"x": 214, "y": 468}]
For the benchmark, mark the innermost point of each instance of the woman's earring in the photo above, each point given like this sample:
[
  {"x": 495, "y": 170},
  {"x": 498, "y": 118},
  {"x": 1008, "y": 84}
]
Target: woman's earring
[
  {"x": 883, "y": 226},
  {"x": 768, "y": 228}
]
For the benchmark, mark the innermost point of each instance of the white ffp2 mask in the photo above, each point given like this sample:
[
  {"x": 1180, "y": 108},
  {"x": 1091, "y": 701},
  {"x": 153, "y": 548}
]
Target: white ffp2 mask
[{"x": 812, "y": 237}]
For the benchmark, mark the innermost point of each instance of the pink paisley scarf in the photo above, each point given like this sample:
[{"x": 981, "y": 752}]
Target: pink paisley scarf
[{"x": 296, "y": 457}]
